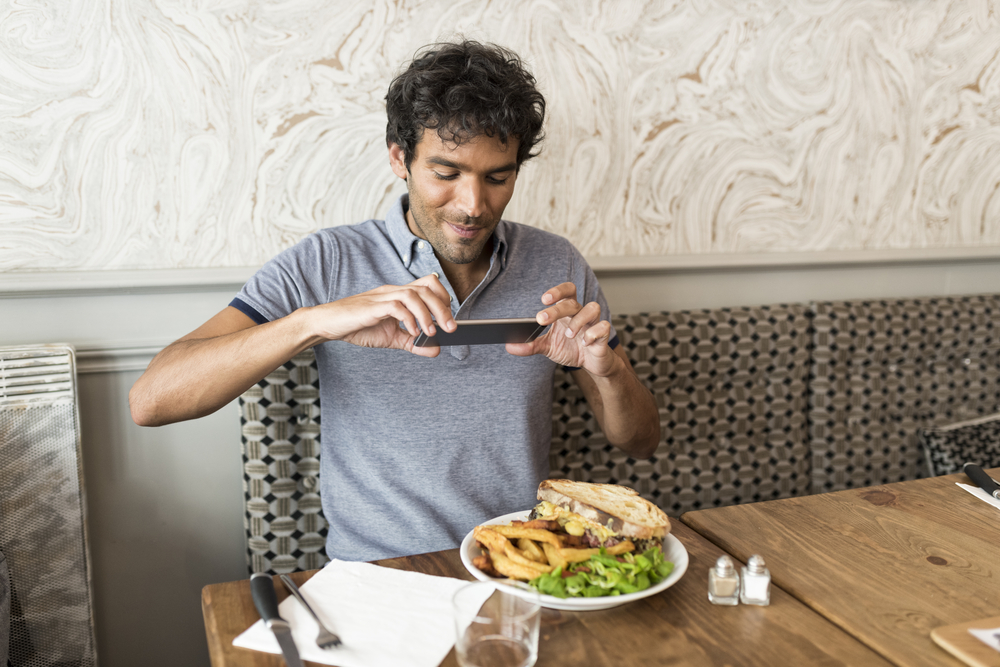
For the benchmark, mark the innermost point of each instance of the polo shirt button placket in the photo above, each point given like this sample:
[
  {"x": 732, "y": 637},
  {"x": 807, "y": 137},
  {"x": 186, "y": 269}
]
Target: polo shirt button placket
[{"x": 460, "y": 352}]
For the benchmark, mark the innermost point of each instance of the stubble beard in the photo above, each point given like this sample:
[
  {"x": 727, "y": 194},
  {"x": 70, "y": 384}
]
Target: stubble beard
[{"x": 460, "y": 251}]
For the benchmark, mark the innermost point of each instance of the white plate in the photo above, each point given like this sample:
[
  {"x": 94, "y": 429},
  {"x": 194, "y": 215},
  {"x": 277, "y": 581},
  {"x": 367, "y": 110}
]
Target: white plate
[{"x": 673, "y": 551}]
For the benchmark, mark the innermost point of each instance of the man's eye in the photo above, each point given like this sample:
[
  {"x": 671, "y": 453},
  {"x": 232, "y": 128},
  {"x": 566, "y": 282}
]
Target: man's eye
[
  {"x": 497, "y": 181},
  {"x": 445, "y": 177}
]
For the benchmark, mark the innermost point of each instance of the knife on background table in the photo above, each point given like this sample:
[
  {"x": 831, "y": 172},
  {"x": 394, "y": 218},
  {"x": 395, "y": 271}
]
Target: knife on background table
[
  {"x": 266, "y": 601},
  {"x": 984, "y": 481}
]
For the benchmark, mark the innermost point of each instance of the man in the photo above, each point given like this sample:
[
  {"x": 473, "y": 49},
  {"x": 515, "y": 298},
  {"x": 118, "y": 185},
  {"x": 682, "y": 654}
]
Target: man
[{"x": 421, "y": 444}]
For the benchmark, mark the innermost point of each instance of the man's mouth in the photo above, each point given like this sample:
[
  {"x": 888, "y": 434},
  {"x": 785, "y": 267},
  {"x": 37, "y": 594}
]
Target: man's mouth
[{"x": 464, "y": 232}]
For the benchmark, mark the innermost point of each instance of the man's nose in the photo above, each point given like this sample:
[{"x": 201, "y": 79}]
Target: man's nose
[{"x": 472, "y": 197}]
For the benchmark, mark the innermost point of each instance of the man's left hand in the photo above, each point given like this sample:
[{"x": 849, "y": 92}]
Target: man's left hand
[{"x": 577, "y": 336}]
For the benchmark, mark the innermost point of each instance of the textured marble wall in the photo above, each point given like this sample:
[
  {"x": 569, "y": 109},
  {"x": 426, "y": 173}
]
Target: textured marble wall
[{"x": 161, "y": 134}]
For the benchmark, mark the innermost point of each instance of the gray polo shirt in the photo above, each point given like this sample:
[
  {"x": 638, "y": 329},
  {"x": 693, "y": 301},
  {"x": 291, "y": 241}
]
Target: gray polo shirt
[{"x": 417, "y": 451}]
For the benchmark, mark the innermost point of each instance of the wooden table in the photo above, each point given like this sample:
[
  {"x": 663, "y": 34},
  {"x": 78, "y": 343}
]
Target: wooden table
[
  {"x": 676, "y": 627},
  {"x": 887, "y": 564}
]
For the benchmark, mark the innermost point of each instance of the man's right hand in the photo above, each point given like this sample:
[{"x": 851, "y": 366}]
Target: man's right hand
[
  {"x": 199, "y": 373},
  {"x": 373, "y": 318}
]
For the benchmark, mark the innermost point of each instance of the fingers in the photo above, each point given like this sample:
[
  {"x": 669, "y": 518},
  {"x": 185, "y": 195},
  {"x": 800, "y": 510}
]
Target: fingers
[
  {"x": 412, "y": 315},
  {"x": 522, "y": 349},
  {"x": 439, "y": 306},
  {"x": 559, "y": 292},
  {"x": 599, "y": 333},
  {"x": 421, "y": 351},
  {"x": 387, "y": 316},
  {"x": 418, "y": 305},
  {"x": 563, "y": 303},
  {"x": 585, "y": 319},
  {"x": 584, "y": 345},
  {"x": 581, "y": 318}
]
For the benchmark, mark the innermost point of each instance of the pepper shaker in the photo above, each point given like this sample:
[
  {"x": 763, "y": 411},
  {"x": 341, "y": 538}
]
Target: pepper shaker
[
  {"x": 756, "y": 587},
  {"x": 724, "y": 582}
]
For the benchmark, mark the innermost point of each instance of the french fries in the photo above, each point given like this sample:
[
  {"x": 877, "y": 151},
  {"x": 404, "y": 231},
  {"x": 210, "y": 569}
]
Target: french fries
[
  {"x": 537, "y": 534},
  {"x": 506, "y": 555},
  {"x": 524, "y": 552},
  {"x": 485, "y": 563},
  {"x": 554, "y": 555},
  {"x": 531, "y": 550},
  {"x": 512, "y": 569}
]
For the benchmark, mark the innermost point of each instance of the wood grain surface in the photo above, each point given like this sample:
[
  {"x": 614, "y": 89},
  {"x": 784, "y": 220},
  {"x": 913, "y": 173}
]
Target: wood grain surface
[
  {"x": 888, "y": 564},
  {"x": 676, "y": 627}
]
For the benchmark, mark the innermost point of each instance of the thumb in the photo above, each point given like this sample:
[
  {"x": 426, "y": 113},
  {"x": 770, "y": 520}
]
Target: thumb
[{"x": 521, "y": 349}]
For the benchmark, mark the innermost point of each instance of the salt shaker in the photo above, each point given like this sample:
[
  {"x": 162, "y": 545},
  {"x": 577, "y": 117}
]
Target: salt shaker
[
  {"x": 756, "y": 587},
  {"x": 724, "y": 582}
]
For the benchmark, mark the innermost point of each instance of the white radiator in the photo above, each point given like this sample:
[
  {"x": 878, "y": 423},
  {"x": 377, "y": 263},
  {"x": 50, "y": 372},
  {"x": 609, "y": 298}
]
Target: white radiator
[{"x": 43, "y": 531}]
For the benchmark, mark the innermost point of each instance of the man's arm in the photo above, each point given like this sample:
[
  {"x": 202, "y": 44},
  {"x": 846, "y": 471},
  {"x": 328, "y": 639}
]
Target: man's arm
[
  {"x": 623, "y": 406},
  {"x": 218, "y": 361},
  {"x": 206, "y": 369}
]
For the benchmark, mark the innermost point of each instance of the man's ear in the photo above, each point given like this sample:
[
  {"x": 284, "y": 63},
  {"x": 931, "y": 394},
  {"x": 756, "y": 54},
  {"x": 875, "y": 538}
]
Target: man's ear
[{"x": 397, "y": 160}]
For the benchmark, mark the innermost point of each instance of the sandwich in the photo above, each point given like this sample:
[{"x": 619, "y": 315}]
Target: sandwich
[{"x": 601, "y": 515}]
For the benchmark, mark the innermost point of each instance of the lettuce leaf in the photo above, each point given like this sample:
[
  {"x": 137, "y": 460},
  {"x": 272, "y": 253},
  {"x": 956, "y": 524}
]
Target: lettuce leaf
[{"x": 604, "y": 575}]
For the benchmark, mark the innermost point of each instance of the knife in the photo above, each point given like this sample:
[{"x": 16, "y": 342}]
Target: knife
[
  {"x": 985, "y": 482},
  {"x": 266, "y": 601}
]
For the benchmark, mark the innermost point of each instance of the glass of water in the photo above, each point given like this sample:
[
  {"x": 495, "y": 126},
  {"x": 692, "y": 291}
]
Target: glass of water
[{"x": 503, "y": 631}]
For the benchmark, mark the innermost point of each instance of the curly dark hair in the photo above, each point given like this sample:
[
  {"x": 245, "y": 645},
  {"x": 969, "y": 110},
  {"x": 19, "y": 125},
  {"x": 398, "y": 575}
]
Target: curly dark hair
[{"x": 465, "y": 90}]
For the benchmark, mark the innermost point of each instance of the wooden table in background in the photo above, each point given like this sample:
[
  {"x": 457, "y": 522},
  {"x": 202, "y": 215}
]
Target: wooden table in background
[
  {"x": 887, "y": 564},
  {"x": 676, "y": 627}
]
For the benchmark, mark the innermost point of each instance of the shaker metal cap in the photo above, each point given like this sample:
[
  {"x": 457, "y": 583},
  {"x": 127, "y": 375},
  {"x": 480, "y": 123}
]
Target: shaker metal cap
[
  {"x": 724, "y": 566},
  {"x": 756, "y": 564}
]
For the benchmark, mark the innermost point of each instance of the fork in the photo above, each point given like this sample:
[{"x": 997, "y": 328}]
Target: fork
[{"x": 326, "y": 639}]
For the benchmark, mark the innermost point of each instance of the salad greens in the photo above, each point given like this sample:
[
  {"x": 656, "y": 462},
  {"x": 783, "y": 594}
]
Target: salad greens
[{"x": 605, "y": 575}]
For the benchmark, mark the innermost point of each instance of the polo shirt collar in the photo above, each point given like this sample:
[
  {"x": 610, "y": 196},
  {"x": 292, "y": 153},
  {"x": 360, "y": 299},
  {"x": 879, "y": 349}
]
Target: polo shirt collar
[{"x": 406, "y": 241}]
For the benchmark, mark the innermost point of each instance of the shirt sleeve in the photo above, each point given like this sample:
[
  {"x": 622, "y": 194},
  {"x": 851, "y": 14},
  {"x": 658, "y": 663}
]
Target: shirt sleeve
[
  {"x": 295, "y": 278},
  {"x": 248, "y": 310}
]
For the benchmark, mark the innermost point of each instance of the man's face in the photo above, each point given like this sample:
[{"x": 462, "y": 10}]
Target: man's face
[{"x": 457, "y": 193}]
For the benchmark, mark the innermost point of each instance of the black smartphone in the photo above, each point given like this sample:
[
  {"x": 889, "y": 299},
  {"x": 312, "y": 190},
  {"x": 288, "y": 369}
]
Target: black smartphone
[{"x": 484, "y": 332}]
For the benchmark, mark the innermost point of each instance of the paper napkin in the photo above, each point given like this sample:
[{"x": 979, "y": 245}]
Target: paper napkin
[
  {"x": 385, "y": 617},
  {"x": 979, "y": 493},
  {"x": 989, "y": 637}
]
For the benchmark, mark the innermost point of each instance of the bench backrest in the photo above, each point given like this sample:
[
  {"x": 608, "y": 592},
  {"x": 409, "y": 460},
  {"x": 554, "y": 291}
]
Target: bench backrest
[{"x": 755, "y": 404}]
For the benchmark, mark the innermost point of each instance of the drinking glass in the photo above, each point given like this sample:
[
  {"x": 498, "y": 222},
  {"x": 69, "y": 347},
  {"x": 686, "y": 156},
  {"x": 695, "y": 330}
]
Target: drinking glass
[{"x": 504, "y": 630}]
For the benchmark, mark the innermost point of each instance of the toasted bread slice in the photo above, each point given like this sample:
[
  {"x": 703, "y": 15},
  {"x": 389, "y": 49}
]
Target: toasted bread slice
[{"x": 618, "y": 507}]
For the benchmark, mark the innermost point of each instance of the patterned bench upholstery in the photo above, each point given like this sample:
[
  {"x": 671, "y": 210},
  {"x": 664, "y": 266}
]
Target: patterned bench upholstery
[
  {"x": 279, "y": 419},
  {"x": 755, "y": 404},
  {"x": 884, "y": 370},
  {"x": 731, "y": 388}
]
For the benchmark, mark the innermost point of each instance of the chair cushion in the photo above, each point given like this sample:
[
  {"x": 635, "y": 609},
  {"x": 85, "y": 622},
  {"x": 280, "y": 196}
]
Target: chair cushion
[
  {"x": 948, "y": 447},
  {"x": 279, "y": 422}
]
